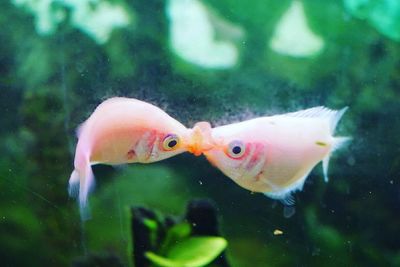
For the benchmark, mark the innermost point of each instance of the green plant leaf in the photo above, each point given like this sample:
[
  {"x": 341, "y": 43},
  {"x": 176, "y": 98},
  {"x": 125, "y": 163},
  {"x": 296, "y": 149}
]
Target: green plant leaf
[
  {"x": 180, "y": 230},
  {"x": 176, "y": 233},
  {"x": 151, "y": 224},
  {"x": 161, "y": 261},
  {"x": 191, "y": 252},
  {"x": 198, "y": 249}
]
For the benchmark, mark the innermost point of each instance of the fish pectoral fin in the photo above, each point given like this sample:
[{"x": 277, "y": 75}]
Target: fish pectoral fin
[
  {"x": 288, "y": 200},
  {"x": 289, "y": 211}
]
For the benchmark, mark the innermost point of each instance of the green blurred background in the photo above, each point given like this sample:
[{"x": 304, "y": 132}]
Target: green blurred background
[{"x": 219, "y": 61}]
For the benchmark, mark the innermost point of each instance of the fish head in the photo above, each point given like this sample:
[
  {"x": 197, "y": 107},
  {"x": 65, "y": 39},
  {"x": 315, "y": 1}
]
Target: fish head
[
  {"x": 161, "y": 141},
  {"x": 235, "y": 154},
  {"x": 167, "y": 141}
]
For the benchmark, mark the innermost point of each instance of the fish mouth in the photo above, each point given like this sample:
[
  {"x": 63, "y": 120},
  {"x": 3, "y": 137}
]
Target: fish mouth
[{"x": 199, "y": 139}]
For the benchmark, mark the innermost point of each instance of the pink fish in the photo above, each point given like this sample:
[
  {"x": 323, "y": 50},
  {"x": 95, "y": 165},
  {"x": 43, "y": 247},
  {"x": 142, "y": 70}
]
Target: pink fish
[
  {"x": 275, "y": 154},
  {"x": 123, "y": 130}
]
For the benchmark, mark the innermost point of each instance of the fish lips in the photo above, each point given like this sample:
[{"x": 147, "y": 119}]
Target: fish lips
[{"x": 200, "y": 139}]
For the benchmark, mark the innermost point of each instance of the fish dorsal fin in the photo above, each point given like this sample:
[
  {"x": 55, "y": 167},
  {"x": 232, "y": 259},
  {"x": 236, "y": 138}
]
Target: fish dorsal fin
[
  {"x": 333, "y": 116},
  {"x": 315, "y": 112}
]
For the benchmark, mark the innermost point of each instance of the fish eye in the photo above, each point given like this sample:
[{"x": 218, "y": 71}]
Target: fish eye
[
  {"x": 170, "y": 142},
  {"x": 236, "y": 149}
]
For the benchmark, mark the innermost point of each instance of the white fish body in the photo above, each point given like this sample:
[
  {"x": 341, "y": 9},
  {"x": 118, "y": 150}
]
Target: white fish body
[
  {"x": 277, "y": 152},
  {"x": 122, "y": 130}
]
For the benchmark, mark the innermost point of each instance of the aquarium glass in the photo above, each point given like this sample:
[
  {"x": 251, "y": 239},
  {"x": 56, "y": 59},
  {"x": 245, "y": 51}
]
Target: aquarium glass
[{"x": 220, "y": 62}]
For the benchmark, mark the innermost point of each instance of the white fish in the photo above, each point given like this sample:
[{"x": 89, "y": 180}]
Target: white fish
[
  {"x": 274, "y": 154},
  {"x": 123, "y": 130}
]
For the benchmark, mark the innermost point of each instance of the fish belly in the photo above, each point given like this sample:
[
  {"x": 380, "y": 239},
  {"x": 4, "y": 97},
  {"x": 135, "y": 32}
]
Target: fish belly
[{"x": 115, "y": 149}]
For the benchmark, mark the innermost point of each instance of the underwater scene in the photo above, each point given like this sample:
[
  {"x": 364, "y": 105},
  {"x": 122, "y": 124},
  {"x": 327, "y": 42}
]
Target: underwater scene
[{"x": 190, "y": 133}]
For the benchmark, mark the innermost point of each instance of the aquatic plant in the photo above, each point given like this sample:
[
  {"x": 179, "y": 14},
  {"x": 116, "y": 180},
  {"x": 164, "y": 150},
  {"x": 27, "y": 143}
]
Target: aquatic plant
[
  {"x": 201, "y": 37},
  {"x": 50, "y": 83},
  {"x": 189, "y": 242},
  {"x": 189, "y": 252},
  {"x": 96, "y": 18},
  {"x": 383, "y": 15},
  {"x": 292, "y": 35}
]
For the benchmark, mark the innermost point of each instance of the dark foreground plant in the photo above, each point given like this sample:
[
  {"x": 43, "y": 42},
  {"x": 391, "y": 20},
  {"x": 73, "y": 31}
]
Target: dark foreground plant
[{"x": 192, "y": 241}]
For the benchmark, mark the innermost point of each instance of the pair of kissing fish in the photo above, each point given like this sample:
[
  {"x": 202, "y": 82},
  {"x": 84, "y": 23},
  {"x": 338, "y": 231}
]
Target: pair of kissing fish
[{"x": 272, "y": 155}]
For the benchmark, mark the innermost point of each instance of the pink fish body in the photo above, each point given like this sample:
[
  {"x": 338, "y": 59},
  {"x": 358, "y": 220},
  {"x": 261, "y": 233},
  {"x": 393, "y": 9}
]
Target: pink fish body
[
  {"x": 123, "y": 130},
  {"x": 275, "y": 154}
]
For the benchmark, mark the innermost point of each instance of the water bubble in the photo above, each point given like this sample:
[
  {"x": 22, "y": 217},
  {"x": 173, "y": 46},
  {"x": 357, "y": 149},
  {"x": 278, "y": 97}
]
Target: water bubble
[{"x": 351, "y": 161}]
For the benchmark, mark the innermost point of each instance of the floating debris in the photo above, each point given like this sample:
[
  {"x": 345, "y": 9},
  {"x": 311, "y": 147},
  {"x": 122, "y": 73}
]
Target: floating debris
[{"x": 278, "y": 232}]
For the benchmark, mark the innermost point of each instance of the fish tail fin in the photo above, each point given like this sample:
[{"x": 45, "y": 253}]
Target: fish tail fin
[
  {"x": 338, "y": 142},
  {"x": 81, "y": 183},
  {"x": 73, "y": 184},
  {"x": 335, "y": 118},
  {"x": 325, "y": 167}
]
